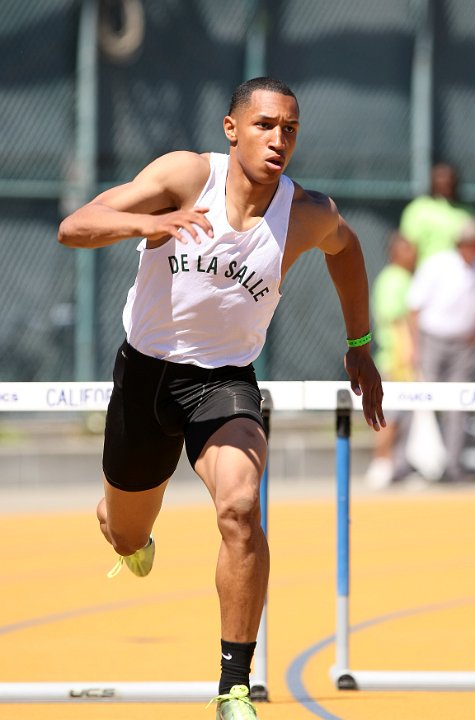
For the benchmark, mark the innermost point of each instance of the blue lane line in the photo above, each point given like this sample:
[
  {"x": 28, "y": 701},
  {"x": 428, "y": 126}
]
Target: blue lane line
[
  {"x": 58, "y": 617},
  {"x": 75, "y": 613},
  {"x": 295, "y": 682},
  {"x": 97, "y": 609},
  {"x": 296, "y": 668}
]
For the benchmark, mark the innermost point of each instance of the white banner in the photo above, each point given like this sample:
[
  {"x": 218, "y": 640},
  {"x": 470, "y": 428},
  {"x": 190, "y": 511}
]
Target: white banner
[
  {"x": 54, "y": 396},
  {"x": 290, "y": 396}
]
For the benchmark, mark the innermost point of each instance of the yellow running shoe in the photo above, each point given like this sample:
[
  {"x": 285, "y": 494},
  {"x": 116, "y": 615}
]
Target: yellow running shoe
[
  {"x": 235, "y": 705},
  {"x": 140, "y": 562}
]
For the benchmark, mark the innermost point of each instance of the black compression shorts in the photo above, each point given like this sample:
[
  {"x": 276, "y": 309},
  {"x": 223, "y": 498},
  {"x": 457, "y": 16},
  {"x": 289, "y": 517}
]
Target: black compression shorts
[{"x": 157, "y": 405}]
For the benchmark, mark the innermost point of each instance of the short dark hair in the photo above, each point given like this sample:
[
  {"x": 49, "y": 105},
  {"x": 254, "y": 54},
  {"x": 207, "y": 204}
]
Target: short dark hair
[{"x": 242, "y": 94}]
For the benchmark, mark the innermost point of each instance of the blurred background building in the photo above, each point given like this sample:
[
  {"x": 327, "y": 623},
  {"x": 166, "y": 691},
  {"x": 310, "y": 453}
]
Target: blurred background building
[{"x": 93, "y": 90}]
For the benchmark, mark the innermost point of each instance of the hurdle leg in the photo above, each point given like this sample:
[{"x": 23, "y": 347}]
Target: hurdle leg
[
  {"x": 344, "y": 407},
  {"x": 259, "y": 686}
]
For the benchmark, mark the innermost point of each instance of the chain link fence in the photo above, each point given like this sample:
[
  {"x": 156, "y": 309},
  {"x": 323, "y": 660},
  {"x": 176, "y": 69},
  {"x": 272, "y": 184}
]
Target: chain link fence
[
  {"x": 167, "y": 87},
  {"x": 37, "y": 294},
  {"x": 349, "y": 64}
]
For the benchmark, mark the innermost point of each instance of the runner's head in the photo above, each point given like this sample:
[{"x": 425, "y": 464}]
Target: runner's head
[{"x": 262, "y": 127}]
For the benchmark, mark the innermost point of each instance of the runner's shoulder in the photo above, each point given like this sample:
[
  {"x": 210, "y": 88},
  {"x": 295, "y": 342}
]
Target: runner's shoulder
[
  {"x": 180, "y": 174},
  {"x": 179, "y": 162},
  {"x": 312, "y": 204}
]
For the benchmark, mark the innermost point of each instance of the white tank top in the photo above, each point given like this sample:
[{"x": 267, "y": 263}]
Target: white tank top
[{"x": 211, "y": 304}]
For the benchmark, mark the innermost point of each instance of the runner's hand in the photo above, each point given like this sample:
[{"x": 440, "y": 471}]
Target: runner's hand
[
  {"x": 175, "y": 222},
  {"x": 366, "y": 381}
]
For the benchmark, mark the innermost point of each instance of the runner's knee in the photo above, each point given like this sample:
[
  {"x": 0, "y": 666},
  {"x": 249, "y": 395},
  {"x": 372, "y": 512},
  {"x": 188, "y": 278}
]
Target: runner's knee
[
  {"x": 128, "y": 541},
  {"x": 239, "y": 515}
]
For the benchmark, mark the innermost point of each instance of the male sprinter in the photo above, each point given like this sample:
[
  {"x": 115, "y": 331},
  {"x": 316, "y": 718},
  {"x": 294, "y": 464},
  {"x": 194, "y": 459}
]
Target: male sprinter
[{"x": 220, "y": 233}]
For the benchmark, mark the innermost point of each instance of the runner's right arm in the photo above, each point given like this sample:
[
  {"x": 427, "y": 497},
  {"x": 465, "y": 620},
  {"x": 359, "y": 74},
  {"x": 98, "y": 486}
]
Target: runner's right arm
[{"x": 157, "y": 204}]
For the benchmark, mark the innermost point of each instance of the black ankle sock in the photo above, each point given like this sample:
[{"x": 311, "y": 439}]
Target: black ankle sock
[{"x": 235, "y": 664}]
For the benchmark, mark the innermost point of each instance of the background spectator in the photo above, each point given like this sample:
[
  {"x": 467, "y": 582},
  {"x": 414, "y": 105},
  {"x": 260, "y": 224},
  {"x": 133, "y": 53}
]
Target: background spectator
[
  {"x": 432, "y": 222},
  {"x": 442, "y": 304},
  {"x": 393, "y": 356}
]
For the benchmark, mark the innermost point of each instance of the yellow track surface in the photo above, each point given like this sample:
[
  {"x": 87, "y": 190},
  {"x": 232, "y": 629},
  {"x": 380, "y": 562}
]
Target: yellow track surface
[{"x": 62, "y": 619}]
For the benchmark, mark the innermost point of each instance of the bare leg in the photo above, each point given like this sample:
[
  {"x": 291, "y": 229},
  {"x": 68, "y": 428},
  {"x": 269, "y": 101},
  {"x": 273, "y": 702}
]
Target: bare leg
[
  {"x": 384, "y": 441},
  {"x": 231, "y": 466},
  {"x": 126, "y": 518},
  {"x": 459, "y": 369}
]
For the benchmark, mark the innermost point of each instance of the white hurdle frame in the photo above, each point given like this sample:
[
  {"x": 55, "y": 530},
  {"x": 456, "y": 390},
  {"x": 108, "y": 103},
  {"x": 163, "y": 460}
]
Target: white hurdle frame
[{"x": 289, "y": 396}]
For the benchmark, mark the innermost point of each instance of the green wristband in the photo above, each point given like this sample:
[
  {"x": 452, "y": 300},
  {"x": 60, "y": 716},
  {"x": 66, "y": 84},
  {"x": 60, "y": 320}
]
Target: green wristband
[{"x": 357, "y": 342}]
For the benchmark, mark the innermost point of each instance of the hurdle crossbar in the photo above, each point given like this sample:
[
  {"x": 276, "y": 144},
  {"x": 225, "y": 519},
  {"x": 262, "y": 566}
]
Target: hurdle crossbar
[
  {"x": 106, "y": 691},
  {"x": 287, "y": 396}
]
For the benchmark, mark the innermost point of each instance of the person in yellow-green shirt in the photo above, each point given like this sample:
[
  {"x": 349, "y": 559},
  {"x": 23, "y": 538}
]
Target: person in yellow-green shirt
[
  {"x": 389, "y": 309},
  {"x": 393, "y": 356},
  {"x": 432, "y": 222}
]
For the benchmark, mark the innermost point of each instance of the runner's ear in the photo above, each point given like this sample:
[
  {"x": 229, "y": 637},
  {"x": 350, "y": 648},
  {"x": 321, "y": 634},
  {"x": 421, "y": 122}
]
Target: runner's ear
[{"x": 229, "y": 126}]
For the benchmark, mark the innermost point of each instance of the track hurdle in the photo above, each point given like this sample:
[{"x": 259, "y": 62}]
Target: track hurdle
[
  {"x": 453, "y": 396},
  {"x": 294, "y": 396},
  {"x": 73, "y": 396}
]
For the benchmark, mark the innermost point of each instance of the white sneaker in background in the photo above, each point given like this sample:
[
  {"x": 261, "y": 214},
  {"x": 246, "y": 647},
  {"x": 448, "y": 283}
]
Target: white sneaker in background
[{"x": 380, "y": 473}]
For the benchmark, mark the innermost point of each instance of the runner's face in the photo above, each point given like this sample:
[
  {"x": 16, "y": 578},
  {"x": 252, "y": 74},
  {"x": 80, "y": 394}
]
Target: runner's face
[{"x": 263, "y": 134}]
